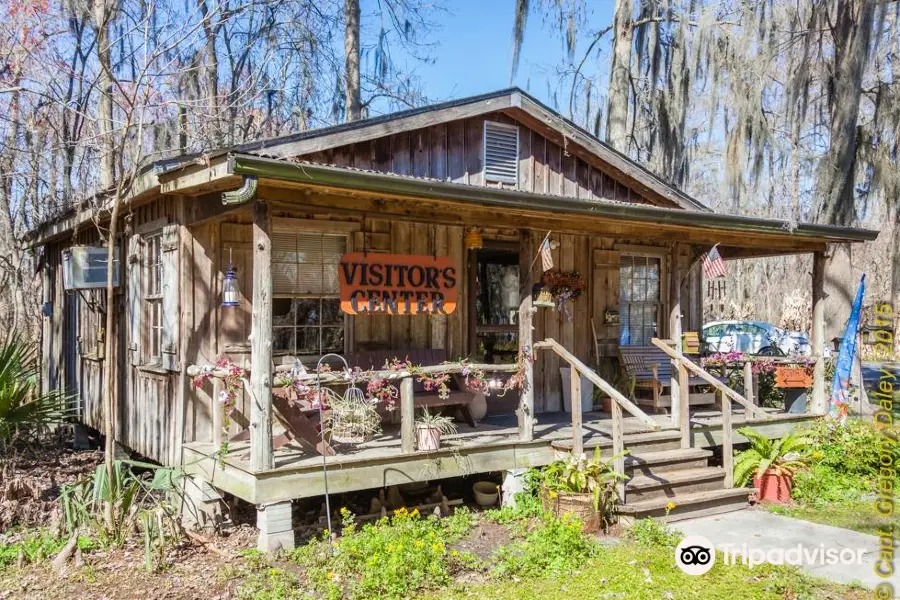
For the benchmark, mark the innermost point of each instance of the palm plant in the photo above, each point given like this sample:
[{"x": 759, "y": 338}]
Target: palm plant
[
  {"x": 783, "y": 456},
  {"x": 22, "y": 405}
]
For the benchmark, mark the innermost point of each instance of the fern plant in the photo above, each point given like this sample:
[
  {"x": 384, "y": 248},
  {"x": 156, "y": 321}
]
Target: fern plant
[{"x": 783, "y": 456}]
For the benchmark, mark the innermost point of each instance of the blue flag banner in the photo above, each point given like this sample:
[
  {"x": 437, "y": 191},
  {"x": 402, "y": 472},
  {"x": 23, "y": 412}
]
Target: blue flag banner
[{"x": 840, "y": 387}]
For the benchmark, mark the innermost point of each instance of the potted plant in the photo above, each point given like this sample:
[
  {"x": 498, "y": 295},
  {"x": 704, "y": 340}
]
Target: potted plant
[
  {"x": 771, "y": 464},
  {"x": 430, "y": 428},
  {"x": 581, "y": 487}
]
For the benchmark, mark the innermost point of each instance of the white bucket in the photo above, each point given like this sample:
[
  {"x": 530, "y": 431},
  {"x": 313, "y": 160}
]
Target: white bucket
[{"x": 587, "y": 391}]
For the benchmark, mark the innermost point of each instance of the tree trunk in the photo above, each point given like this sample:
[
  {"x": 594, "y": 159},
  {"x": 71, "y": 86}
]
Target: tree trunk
[
  {"x": 851, "y": 31},
  {"x": 212, "y": 75},
  {"x": 351, "y": 51},
  {"x": 102, "y": 14},
  {"x": 619, "y": 84}
]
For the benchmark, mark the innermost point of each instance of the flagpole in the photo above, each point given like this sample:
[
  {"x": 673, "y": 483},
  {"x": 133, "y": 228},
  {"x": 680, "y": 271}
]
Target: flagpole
[{"x": 539, "y": 249}]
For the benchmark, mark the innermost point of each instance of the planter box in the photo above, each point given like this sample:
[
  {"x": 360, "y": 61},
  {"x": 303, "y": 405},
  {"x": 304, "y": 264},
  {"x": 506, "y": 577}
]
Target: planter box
[{"x": 579, "y": 505}]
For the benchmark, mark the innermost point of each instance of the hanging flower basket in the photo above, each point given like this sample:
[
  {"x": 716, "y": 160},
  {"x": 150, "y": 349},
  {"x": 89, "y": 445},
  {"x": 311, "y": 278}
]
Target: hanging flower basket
[{"x": 563, "y": 286}]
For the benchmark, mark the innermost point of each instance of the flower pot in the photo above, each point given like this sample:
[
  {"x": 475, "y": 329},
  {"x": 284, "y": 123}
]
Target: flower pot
[
  {"x": 578, "y": 505},
  {"x": 486, "y": 493},
  {"x": 478, "y": 406},
  {"x": 772, "y": 487},
  {"x": 428, "y": 439}
]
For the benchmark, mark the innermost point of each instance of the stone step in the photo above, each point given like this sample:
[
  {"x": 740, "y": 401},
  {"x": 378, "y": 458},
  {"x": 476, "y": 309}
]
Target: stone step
[
  {"x": 650, "y": 463},
  {"x": 669, "y": 484},
  {"x": 686, "y": 506}
]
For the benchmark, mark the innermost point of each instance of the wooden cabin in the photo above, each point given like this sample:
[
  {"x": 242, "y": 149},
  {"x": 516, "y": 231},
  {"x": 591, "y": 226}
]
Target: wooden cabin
[{"x": 481, "y": 183}]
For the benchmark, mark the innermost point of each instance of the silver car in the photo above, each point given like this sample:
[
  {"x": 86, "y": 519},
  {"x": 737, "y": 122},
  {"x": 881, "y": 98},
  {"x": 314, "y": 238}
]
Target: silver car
[{"x": 753, "y": 337}]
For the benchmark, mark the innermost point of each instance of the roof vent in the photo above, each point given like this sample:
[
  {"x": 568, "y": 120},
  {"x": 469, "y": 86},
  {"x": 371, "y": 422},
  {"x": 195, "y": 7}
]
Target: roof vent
[{"x": 501, "y": 152}]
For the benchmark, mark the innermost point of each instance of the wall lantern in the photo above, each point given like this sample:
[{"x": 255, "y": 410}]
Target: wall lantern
[
  {"x": 230, "y": 289},
  {"x": 474, "y": 239}
]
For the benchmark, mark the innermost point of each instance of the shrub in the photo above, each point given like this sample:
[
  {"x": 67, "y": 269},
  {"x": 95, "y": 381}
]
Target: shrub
[
  {"x": 554, "y": 546},
  {"x": 844, "y": 462},
  {"x": 390, "y": 558},
  {"x": 653, "y": 533},
  {"x": 22, "y": 406},
  {"x": 35, "y": 546}
]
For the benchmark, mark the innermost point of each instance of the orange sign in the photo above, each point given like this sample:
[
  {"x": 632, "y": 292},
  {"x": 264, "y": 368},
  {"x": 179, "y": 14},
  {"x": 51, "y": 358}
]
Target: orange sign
[{"x": 397, "y": 284}]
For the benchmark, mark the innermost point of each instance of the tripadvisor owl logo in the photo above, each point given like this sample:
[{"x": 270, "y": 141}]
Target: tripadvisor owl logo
[{"x": 695, "y": 555}]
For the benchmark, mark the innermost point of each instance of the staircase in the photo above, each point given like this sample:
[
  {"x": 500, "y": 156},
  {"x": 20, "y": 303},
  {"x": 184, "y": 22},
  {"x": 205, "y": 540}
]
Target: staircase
[
  {"x": 662, "y": 474},
  {"x": 668, "y": 478}
]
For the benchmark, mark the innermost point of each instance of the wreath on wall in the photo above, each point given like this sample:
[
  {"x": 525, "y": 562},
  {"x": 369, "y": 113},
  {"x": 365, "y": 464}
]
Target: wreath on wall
[{"x": 563, "y": 286}]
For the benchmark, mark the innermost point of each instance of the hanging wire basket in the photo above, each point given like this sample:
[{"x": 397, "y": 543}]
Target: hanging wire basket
[{"x": 353, "y": 420}]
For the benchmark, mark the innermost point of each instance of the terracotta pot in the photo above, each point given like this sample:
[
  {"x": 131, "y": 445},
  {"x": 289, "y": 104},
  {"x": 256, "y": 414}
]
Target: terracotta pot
[
  {"x": 579, "y": 505},
  {"x": 428, "y": 439},
  {"x": 772, "y": 487}
]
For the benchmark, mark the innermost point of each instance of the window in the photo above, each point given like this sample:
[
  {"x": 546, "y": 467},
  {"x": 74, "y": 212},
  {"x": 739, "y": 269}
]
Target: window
[
  {"x": 306, "y": 312},
  {"x": 501, "y": 152},
  {"x": 153, "y": 298},
  {"x": 639, "y": 304}
]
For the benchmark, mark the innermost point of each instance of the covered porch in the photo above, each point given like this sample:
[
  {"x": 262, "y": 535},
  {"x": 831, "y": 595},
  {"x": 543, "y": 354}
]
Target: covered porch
[{"x": 378, "y": 213}]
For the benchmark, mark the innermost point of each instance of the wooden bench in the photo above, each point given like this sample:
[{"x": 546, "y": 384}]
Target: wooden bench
[
  {"x": 650, "y": 368},
  {"x": 458, "y": 399}
]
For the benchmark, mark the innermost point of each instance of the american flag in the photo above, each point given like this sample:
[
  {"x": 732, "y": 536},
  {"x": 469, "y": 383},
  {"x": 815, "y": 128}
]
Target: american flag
[
  {"x": 713, "y": 265},
  {"x": 546, "y": 255}
]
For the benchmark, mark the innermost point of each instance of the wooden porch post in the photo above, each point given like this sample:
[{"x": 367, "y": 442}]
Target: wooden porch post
[
  {"x": 818, "y": 404},
  {"x": 675, "y": 330},
  {"x": 525, "y": 412},
  {"x": 577, "y": 436},
  {"x": 261, "y": 343}
]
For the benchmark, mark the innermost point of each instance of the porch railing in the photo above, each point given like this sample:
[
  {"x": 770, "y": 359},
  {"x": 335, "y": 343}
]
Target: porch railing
[
  {"x": 283, "y": 376},
  {"x": 619, "y": 402},
  {"x": 725, "y": 396}
]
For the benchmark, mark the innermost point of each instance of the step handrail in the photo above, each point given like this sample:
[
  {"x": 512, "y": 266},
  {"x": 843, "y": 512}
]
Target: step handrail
[
  {"x": 697, "y": 370},
  {"x": 601, "y": 383}
]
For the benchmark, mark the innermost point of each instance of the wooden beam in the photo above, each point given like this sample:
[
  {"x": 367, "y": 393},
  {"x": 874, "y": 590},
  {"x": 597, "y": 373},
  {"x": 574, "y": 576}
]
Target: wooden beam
[
  {"x": 819, "y": 403},
  {"x": 525, "y": 412},
  {"x": 675, "y": 330},
  {"x": 727, "y": 441},
  {"x": 748, "y": 382},
  {"x": 575, "y": 404},
  {"x": 407, "y": 416},
  {"x": 684, "y": 404},
  {"x": 200, "y": 178},
  {"x": 618, "y": 440},
  {"x": 261, "y": 454}
]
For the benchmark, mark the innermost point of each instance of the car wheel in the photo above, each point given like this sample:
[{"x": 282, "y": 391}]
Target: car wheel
[{"x": 770, "y": 351}]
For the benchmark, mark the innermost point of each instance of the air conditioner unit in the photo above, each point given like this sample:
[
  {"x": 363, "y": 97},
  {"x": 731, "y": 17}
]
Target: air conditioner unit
[{"x": 84, "y": 267}]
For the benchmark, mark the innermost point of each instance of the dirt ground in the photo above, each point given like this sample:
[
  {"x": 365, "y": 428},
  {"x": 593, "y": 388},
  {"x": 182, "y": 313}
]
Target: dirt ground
[{"x": 30, "y": 478}]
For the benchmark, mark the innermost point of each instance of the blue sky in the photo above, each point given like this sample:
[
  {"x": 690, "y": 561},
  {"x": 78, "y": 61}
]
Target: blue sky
[{"x": 473, "y": 50}]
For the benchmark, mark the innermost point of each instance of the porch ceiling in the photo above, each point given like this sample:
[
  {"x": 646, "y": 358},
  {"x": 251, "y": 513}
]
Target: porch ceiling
[{"x": 368, "y": 191}]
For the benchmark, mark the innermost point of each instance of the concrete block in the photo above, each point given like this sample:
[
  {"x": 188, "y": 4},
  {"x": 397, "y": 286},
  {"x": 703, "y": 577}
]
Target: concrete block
[
  {"x": 513, "y": 483},
  {"x": 275, "y": 524},
  {"x": 200, "y": 504},
  {"x": 80, "y": 438}
]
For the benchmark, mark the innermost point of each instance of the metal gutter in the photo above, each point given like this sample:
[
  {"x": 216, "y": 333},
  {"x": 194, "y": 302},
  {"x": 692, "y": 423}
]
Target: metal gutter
[{"x": 352, "y": 179}]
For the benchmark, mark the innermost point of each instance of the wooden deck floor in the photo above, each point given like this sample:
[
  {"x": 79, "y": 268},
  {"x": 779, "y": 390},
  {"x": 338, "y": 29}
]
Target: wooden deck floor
[{"x": 491, "y": 446}]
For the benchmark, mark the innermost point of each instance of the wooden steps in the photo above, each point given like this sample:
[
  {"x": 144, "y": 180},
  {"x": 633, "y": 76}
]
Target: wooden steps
[{"x": 675, "y": 484}]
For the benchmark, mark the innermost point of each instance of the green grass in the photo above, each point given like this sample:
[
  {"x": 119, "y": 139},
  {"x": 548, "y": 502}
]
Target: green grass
[
  {"x": 639, "y": 572},
  {"x": 857, "y": 515}
]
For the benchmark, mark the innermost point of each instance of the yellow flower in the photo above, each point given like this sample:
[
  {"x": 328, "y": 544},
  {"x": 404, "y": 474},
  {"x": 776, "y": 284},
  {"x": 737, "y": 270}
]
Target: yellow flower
[
  {"x": 670, "y": 506},
  {"x": 344, "y": 511},
  {"x": 418, "y": 543},
  {"x": 330, "y": 575},
  {"x": 553, "y": 494},
  {"x": 437, "y": 547},
  {"x": 414, "y": 513},
  {"x": 454, "y": 553}
]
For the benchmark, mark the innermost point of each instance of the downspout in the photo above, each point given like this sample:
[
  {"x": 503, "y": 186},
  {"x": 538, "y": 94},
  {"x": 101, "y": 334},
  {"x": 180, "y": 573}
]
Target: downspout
[{"x": 243, "y": 194}]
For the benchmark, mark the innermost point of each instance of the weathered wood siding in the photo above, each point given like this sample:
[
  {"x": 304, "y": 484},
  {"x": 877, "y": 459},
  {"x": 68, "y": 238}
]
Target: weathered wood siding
[{"x": 454, "y": 152}]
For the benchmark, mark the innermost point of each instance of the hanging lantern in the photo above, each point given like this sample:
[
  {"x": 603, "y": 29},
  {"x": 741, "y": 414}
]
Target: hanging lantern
[
  {"x": 230, "y": 289},
  {"x": 474, "y": 240}
]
